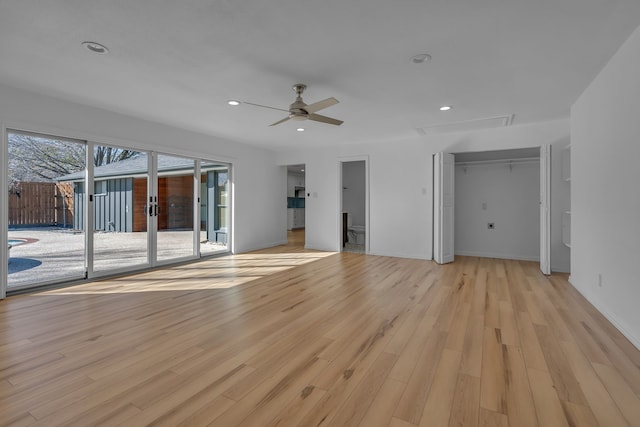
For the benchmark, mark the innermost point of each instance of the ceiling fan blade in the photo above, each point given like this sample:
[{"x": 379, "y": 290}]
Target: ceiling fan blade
[
  {"x": 320, "y": 105},
  {"x": 280, "y": 121},
  {"x": 264, "y": 106},
  {"x": 325, "y": 119}
]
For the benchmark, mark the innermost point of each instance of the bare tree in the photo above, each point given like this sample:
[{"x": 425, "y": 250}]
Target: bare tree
[
  {"x": 33, "y": 158},
  {"x": 105, "y": 155}
]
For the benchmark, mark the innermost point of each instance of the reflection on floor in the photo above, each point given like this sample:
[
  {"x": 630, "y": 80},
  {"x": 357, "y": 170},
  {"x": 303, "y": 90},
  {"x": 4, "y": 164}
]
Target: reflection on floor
[
  {"x": 296, "y": 239},
  {"x": 353, "y": 248}
]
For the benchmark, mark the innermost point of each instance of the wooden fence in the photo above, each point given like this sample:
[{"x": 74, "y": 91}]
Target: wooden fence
[{"x": 41, "y": 203}]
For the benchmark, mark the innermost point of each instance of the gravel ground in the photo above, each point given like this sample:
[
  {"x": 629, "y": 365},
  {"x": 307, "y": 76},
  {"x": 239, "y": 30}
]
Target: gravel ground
[{"x": 57, "y": 254}]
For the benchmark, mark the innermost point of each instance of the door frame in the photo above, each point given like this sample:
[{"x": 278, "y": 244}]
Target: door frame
[
  {"x": 367, "y": 231},
  {"x": 4, "y": 219},
  {"x": 443, "y": 207},
  {"x": 545, "y": 209}
]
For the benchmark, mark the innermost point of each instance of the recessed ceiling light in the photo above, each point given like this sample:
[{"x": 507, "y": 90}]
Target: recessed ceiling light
[
  {"x": 233, "y": 102},
  {"x": 421, "y": 58},
  {"x": 300, "y": 129},
  {"x": 445, "y": 108},
  {"x": 95, "y": 47}
]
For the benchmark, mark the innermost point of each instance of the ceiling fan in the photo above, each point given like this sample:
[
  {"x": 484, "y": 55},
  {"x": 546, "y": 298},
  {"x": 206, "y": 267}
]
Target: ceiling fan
[{"x": 300, "y": 111}]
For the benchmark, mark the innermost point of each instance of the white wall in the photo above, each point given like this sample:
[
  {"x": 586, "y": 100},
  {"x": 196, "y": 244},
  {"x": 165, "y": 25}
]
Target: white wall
[
  {"x": 354, "y": 191},
  {"x": 605, "y": 201},
  {"x": 399, "y": 198},
  {"x": 503, "y": 195},
  {"x": 256, "y": 178},
  {"x": 400, "y": 184}
]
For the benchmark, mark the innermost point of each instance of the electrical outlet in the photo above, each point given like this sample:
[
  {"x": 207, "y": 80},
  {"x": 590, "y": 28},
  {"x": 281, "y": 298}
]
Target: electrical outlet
[{"x": 491, "y": 225}]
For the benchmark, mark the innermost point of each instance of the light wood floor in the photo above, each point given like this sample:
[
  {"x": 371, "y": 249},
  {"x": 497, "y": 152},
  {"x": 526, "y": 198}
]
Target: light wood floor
[{"x": 292, "y": 337}]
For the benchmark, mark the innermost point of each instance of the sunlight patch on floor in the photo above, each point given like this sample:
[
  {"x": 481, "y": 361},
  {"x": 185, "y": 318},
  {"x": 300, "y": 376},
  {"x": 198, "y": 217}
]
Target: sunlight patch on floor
[{"x": 219, "y": 273}]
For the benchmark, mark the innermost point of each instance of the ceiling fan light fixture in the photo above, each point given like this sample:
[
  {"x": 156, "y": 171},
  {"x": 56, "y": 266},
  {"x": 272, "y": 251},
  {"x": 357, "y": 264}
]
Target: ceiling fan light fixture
[
  {"x": 233, "y": 102},
  {"x": 96, "y": 48},
  {"x": 421, "y": 58}
]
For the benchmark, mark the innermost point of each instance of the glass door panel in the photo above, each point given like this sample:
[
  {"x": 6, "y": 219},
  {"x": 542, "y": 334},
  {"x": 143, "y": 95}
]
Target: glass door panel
[
  {"x": 175, "y": 188},
  {"x": 120, "y": 209},
  {"x": 46, "y": 240},
  {"x": 214, "y": 208}
]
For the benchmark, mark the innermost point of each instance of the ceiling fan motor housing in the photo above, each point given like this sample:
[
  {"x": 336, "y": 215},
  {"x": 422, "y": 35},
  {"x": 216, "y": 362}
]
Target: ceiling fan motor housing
[
  {"x": 297, "y": 111},
  {"x": 300, "y": 111}
]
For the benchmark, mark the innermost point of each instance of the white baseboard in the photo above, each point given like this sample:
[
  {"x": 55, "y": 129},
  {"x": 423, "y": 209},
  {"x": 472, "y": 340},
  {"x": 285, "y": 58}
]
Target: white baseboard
[
  {"x": 312, "y": 247},
  {"x": 400, "y": 255},
  {"x": 619, "y": 325},
  {"x": 498, "y": 255},
  {"x": 263, "y": 246},
  {"x": 556, "y": 269}
]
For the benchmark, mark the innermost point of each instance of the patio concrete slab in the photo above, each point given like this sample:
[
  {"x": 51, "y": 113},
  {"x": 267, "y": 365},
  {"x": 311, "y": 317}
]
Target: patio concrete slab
[{"x": 58, "y": 254}]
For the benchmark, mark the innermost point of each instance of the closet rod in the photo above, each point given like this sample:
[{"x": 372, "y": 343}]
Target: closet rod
[{"x": 501, "y": 161}]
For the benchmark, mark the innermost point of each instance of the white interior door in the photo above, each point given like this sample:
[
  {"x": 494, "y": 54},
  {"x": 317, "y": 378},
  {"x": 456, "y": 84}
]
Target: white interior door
[
  {"x": 443, "y": 207},
  {"x": 545, "y": 216}
]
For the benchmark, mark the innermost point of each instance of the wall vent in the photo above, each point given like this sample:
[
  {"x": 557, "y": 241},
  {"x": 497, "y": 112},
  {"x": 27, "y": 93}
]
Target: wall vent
[{"x": 467, "y": 125}]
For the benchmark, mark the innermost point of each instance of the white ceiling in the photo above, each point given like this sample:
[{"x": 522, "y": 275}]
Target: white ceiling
[{"x": 178, "y": 62}]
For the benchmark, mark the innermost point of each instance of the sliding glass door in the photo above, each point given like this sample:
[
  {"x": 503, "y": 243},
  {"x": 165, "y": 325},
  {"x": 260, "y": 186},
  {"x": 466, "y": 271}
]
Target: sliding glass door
[
  {"x": 120, "y": 204},
  {"x": 45, "y": 238},
  {"x": 214, "y": 208},
  {"x": 142, "y": 209},
  {"x": 175, "y": 219}
]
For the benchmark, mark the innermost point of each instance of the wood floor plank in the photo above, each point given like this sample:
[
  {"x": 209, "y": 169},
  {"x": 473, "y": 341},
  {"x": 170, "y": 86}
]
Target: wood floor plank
[
  {"x": 410, "y": 356},
  {"x": 508, "y": 326},
  {"x": 493, "y": 388},
  {"x": 492, "y": 419},
  {"x": 492, "y": 306},
  {"x": 298, "y": 407},
  {"x": 579, "y": 415},
  {"x": 286, "y": 336},
  {"x": 466, "y": 402},
  {"x": 533, "y": 356},
  {"x": 212, "y": 410},
  {"x": 262, "y": 404},
  {"x": 353, "y": 410},
  {"x": 548, "y": 406},
  {"x": 437, "y": 410},
  {"x": 597, "y": 397},
  {"x": 626, "y": 400},
  {"x": 412, "y": 403},
  {"x": 559, "y": 366},
  {"x": 397, "y": 422},
  {"x": 520, "y": 406},
  {"x": 384, "y": 404}
]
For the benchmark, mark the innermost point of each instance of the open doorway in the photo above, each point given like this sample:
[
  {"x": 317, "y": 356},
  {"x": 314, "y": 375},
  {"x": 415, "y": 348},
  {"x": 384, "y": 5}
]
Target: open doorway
[
  {"x": 501, "y": 201},
  {"x": 497, "y": 204},
  {"x": 296, "y": 197},
  {"x": 354, "y": 206}
]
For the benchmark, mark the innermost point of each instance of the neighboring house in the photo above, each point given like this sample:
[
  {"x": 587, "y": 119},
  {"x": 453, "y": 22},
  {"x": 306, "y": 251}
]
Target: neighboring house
[{"x": 120, "y": 196}]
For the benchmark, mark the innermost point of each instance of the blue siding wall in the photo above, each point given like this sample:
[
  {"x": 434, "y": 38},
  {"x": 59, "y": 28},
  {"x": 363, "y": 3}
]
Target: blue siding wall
[{"x": 113, "y": 208}]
